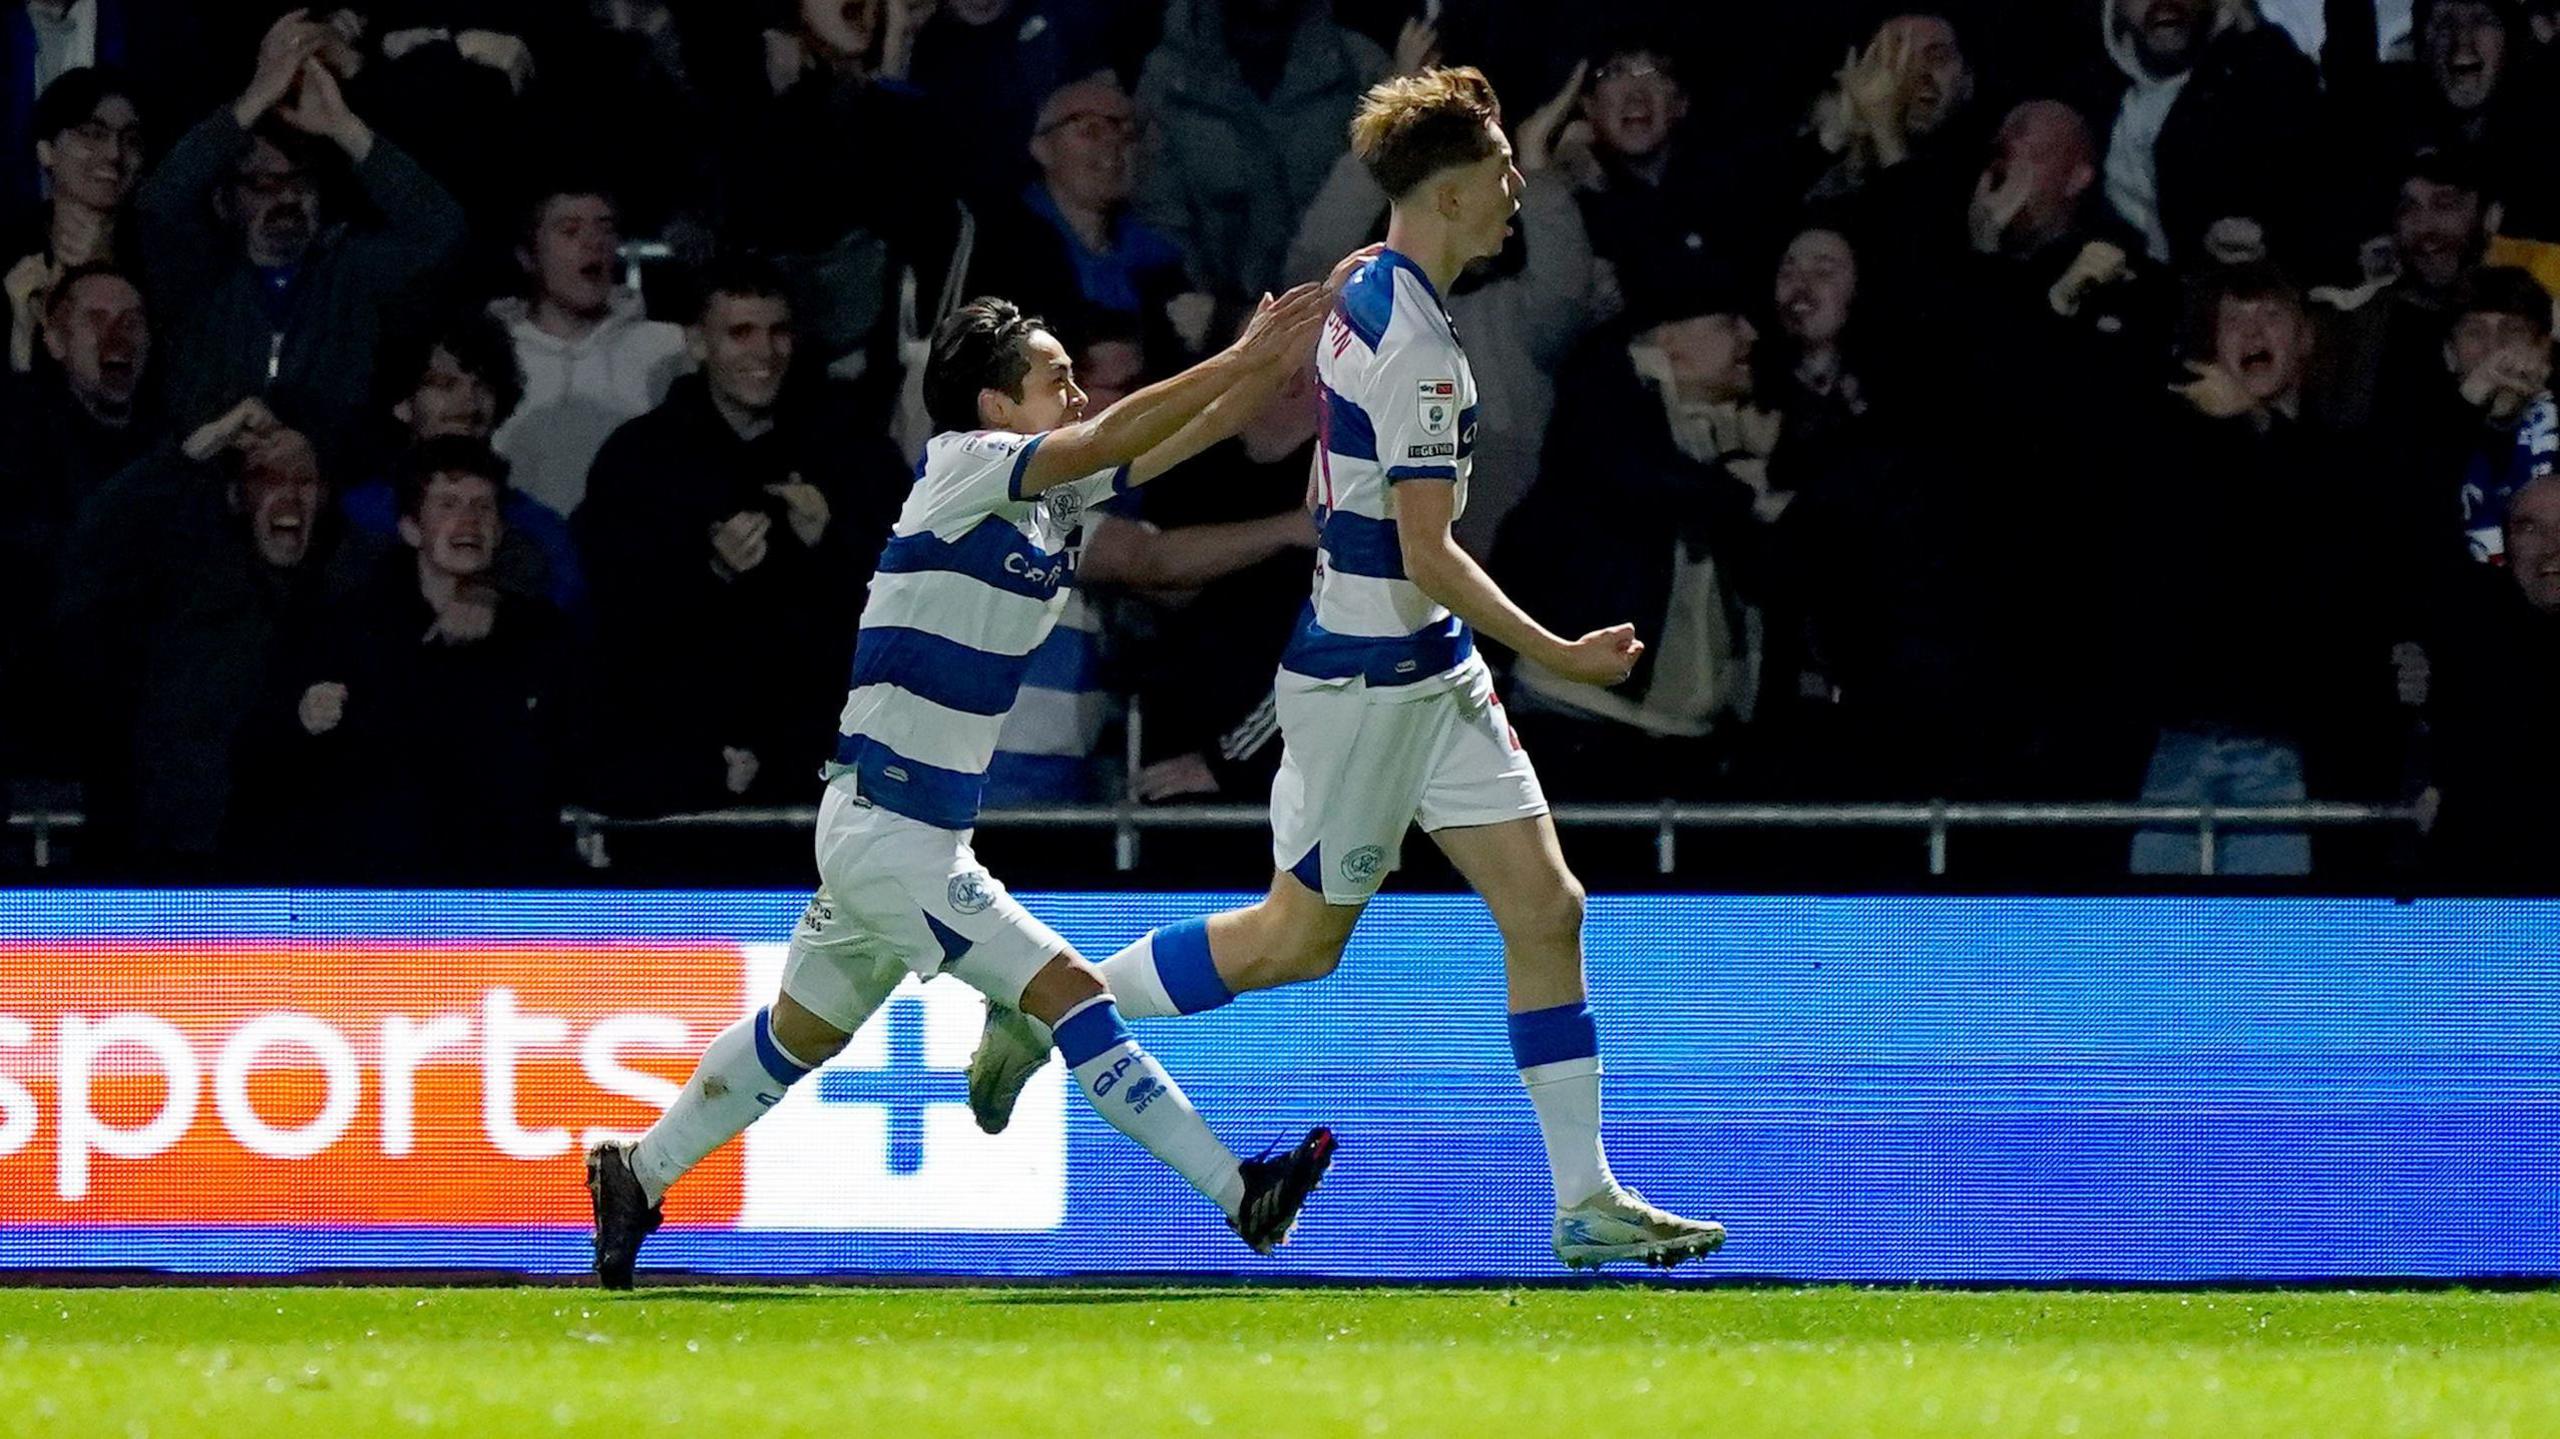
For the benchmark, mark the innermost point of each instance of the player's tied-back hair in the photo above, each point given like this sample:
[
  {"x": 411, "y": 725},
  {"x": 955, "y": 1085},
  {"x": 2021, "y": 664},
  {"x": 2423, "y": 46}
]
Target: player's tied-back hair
[
  {"x": 979, "y": 347},
  {"x": 1412, "y": 127}
]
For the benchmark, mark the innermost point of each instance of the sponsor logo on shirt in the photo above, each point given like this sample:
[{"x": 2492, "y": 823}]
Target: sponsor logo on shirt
[{"x": 1431, "y": 452}]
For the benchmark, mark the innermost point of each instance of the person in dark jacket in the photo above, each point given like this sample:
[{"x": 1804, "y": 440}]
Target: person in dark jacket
[
  {"x": 838, "y": 174},
  {"x": 91, "y": 411},
  {"x": 1666, "y": 533},
  {"x": 729, "y": 535},
  {"x": 1070, "y": 248},
  {"x": 984, "y": 67},
  {"x": 188, "y": 578},
  {"x": 2474, "y": 85},
  {"x": 2494, "y": 707},
  {"x": 260, "y": 290},
  {"x": 2248, "y": 607},
  {"x": 2380, "y": 356},
  {"x": 70, "y": 428},
  {"x": 1654, "y": 185},
  {"x": 2038, "y": 338},
  {"x": 1251, "y": 101},
  {"x": 1897, "y": 142},
  {"x": 2215, "y": 131},
  {"x": 433, "y": 722}
]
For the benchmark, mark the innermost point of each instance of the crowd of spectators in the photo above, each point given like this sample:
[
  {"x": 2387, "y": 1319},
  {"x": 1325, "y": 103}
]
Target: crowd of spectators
[{"x": 423, "y": 414}]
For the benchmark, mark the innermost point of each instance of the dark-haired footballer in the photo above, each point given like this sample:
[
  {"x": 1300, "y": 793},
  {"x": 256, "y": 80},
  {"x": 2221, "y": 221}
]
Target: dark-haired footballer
[{"x": 970, "y": 583}]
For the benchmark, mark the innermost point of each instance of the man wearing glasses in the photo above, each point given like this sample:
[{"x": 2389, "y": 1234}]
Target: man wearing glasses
[
  {"x": 267, "y": 294},
  {"x": 88, "y": 147},
  {"x": 1073, "y": 249}
]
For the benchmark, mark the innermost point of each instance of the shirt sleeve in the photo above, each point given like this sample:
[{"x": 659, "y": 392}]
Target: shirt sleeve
[
  {"x": 1412, "y": 402},
  {"x": 1101, "y": 487},
  {"x": 966, "y": 475}
]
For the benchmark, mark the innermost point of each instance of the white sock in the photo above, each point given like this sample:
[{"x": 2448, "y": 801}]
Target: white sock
[
  {"x": 1135, "y": 986},
  {"x": 742, "y": 1074},
  {"x": 1128, "y": 1088},
  {"x": 1168, "y": 971},
  {"x": 1567, "y": 1097}
]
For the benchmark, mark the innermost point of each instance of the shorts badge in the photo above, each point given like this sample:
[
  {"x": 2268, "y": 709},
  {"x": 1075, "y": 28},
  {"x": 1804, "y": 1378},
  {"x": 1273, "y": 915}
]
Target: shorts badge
[
  {"x": 1362, "y": 864},
  {"x": 969, "y": 893}
]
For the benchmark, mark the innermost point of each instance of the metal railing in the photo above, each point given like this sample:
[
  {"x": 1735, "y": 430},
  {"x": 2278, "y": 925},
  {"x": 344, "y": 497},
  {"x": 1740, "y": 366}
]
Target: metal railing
[{"x": 1935, "y": 821}]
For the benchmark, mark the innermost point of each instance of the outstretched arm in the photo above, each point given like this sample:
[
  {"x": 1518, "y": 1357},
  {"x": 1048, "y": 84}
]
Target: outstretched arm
[
  {"x": 1437, "y": 566},
  {"x": 1225, "y": 418},
  {"x": 1227, "y": 415},
  {"x": 1125, "y": 432}
]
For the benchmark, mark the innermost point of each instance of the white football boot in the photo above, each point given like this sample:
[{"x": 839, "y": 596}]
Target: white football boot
[
  {"x": 1011, "y": 1049},
  {"x": 1617, "y": 1224}
]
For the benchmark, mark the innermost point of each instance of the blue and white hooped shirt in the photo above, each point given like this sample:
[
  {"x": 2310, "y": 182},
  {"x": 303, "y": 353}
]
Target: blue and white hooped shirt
[
  {"x": 970, "y": 584},
  {"x": 1399, "y": 404}
]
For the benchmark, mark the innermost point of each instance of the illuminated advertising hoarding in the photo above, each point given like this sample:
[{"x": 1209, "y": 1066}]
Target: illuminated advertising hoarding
[{"x": 1862, "y": 1089}]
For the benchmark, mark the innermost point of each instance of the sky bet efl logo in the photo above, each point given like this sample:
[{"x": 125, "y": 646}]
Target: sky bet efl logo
[{"x": 362, "y": 1082}]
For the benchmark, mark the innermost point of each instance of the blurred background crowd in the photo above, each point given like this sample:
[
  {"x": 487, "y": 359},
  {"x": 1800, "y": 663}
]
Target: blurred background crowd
[{"x": 423, "y": 415}]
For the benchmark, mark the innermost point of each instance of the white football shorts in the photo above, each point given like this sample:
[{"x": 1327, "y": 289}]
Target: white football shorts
[
  {"x": 1361, "y": 763},
  {"x": 894, "y": 889}
]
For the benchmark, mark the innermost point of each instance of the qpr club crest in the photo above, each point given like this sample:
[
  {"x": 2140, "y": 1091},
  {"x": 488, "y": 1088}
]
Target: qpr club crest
[
  {"x": 1065, "y": 506},
  {"x": 969, "y": 893},
  {"x": 1439, "y": 406},
  {"x": 1362, "y": 864}
]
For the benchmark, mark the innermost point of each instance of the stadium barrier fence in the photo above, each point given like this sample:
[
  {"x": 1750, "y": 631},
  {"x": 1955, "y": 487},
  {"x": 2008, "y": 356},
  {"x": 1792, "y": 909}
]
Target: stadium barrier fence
[{"x": 1936, "y": 821}]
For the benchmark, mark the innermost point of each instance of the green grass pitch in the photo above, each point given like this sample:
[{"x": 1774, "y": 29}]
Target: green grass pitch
[{"x": 1624, "y": 1362}]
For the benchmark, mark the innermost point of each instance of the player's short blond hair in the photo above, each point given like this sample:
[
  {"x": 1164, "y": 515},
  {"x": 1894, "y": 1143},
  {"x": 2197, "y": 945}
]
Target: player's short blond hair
[{"x": 1412, "y": 127}]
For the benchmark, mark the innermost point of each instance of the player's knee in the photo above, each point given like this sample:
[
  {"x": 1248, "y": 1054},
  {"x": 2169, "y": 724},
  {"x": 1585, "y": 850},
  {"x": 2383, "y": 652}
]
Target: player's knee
[
  {"x": 802, "y": 1034},
  {"x": 1063, "y": 983},
  {"x": 1298, "y": 958},
  {"x": 1549, "y": 919}
]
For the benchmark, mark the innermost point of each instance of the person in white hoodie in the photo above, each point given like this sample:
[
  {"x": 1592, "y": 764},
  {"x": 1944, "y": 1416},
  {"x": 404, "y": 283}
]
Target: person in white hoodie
[
  {"x": 2218, "y": 134},
  {"x": 592, "y": 357}
]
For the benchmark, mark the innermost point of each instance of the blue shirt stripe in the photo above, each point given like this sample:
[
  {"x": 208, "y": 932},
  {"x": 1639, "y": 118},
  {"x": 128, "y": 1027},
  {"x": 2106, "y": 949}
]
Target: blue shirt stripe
[
  {"x": 1347, "y": 431},
  {"x": 947, "y": 672},
  {"x": 942, "y": 797},
  {"x": 1358, "y": 545},
  {"x": 992, "y": 552},
  {"x": 1320, "y": 654}
]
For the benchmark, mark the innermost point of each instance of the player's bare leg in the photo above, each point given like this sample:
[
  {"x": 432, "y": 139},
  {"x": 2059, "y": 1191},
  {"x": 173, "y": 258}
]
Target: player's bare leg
[{"x": 1537, "y": 904}]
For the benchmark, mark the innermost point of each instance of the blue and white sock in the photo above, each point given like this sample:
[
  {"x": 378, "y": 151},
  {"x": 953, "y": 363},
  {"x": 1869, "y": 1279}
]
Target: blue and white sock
[
  {"x": 1168, "y": 971},
  {"x": 1127, "y": 1087},
  {"x": 743, "y": 1073},
  {"x": 1558, "y": 1051}
]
